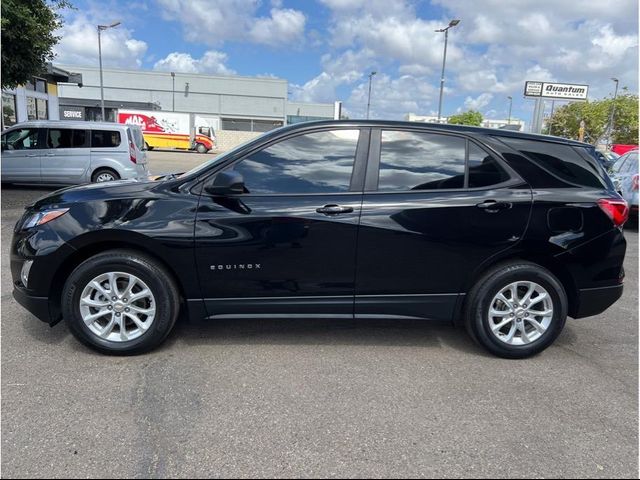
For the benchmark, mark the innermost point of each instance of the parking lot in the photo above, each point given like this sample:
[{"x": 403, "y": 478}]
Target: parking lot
[{"x": 317, "y": 398}]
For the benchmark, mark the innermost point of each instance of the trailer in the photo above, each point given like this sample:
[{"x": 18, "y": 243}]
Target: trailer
[{"x": 185, "y": 131}]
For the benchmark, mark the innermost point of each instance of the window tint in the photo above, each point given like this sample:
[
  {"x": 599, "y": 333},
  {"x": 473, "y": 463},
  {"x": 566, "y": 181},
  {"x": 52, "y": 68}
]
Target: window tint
[
  {"x": 319, "y": 162},
  {"x": 420, "y": 161},
  {"x": 21, "y": 139},
  {"x": 67, "y": 138},
  {"x": 484, "y": 170},
  {"x": 631, "y": 164},
  {"x": 105, "y": 138},
  {"x": 562, "y": 161}
]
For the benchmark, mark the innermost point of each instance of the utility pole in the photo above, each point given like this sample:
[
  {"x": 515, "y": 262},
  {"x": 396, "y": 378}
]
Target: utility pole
[
  {"x": 173, "y": 91},
  {"x": 452, "y": 23},
  {"x": 100, "y": 29},
  {"x": 369, "y": 98},
  {"x": 613, "y": 111},
  {"x": 510, "y": 105}
]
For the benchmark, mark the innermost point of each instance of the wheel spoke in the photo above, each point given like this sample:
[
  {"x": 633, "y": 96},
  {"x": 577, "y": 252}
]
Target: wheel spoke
[
  {"x": 542, "y": 313},
  {"x": 499, "y": 313},
  {"x": 505, "y": 300},
  {"x": 144, "y": 311},
  {"x": 514, "y": 292},
  {"x": 537, "y": 325},
  {"x": 132, "y": 282},
  {"x": 139, "y": 323},
  {"x": 527, "y": 295},
  {"x": 139, "y": 295},
  {"x": 499, "y": 326},
  {"x": 93, "y": 303},
  {"x": 538, "y": 299},
  {"x": 123, "y": 331},
  {"x": 89, "y": 319},
  {"x": 100, "y": 288},
  {"x": 106, "y": 331},
  {"x": 523, "y": 334},
  {"x": 113, "y": 284},
  {"x": 510, "y": 335}
]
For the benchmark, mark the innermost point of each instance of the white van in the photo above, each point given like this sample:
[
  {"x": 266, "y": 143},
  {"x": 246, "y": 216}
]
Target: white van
[{"x": 69, "y": 153}]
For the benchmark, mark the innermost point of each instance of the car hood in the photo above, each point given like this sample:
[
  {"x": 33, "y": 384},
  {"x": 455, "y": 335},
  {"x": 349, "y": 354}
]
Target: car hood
[{"x": 97, "y": 191}]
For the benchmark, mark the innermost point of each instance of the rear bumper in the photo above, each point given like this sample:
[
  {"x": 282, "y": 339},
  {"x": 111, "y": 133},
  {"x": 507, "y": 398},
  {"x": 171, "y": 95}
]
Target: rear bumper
[
  {"x": 38, "y": 306},
  {"x": 593, "y": 301}
]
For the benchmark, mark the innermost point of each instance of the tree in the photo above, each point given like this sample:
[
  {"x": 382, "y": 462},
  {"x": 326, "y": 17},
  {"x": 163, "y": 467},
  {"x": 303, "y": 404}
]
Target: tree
[
  {"x": 470, "y": 117},
  {"x": 596, "y": 114},
  {"x": 28, "y": 38}
]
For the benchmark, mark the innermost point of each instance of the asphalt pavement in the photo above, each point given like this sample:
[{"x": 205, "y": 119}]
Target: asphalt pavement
[{"x": 317, "y": 398}]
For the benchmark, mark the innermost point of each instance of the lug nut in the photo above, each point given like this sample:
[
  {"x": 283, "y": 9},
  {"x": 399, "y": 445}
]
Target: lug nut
[
  {"x": 117, "y": 314},
  {"x": 126, "y": 310},
  {"x": 124, "y": 300},
  {"x": 110, "y": 307},
  {"x": 526, "y": 314},
  {"x": 525, "y": 305},
  {"x": 114, "y": 298}
]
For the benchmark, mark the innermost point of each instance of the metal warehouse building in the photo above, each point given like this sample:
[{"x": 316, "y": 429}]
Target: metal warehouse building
[{"x": 244, "y": 106}]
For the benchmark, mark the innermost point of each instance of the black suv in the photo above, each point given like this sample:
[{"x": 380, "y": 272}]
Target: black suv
[{"x": 502, "y": 232}]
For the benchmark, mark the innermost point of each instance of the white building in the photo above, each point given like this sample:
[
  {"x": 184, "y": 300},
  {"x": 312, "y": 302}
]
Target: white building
[{"x": 514, "y": 123}]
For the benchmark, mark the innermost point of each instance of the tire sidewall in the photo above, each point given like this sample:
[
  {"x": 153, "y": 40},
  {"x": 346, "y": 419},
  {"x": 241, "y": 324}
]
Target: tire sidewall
[
  {"x": 489, "y": 289},
  {"x": 166, "y": 307},
  {"x": 200, "y": 148}
]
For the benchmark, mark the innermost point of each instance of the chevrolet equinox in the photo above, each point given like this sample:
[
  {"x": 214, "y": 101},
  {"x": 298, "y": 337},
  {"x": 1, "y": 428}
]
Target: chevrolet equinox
[{"x": 501, "y": 232}]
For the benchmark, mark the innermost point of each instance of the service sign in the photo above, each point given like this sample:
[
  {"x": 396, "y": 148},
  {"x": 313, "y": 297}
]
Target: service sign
[
  {"x": 71, "y": 113},
  {"x": 563, "y": 91}
]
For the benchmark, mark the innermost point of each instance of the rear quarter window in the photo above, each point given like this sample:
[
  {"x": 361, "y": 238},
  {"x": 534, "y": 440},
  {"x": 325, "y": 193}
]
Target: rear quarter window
[
  {"x": 563, "y": 162},
  {"x": 105, "y": 138}
]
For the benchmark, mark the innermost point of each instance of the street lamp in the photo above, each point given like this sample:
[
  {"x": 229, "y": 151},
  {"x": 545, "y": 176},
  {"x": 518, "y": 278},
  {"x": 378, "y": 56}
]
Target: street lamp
[
  {"x": 452, "y": 23},
  {"x": 369, "y": 98},
  {"x": 100, "y": 29},
  {"x": 613, "y": 110},
  {"x": 510, "y": 105},
  {"x": 173, "y": 91}
]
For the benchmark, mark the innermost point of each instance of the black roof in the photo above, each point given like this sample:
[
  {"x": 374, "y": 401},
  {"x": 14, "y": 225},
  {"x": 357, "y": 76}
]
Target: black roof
[{"x": 445, "y": 127}]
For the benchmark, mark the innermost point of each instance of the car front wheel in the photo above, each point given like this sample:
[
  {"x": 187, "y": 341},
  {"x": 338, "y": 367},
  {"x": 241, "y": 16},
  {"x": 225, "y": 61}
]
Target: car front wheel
[
  {"x": 120, "y": 302},
  {"x": 516, "y": 310}
]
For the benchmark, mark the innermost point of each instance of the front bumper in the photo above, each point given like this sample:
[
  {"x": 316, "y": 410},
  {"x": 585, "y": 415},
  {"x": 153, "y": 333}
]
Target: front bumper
[
  {"x": 593, "y": 301},
  {"x": 38, "y": 306}
]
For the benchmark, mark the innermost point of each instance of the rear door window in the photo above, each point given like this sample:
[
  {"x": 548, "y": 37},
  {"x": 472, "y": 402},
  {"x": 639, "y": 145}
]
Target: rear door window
[
  {"x": 105, "y": 138},
  {"x": 67, "y": 138},
  {"x": 420, "y": 161},
  {"x": 484, "y": 169}
]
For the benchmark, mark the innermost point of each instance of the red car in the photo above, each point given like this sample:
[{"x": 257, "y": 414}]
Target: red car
[{"x": 622, "y": 149}]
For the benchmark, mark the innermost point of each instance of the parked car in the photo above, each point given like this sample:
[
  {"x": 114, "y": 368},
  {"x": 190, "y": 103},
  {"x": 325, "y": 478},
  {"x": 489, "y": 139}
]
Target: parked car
[
  {"x": 71, "y": 153},
  {"x": 625, "y": 178},
  {"x": 607, "y": 159},
  {"x": 502, "y": 232}
]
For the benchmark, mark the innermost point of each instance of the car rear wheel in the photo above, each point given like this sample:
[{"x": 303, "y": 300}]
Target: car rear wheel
[
  {"x": 104, "y": 175},
  {"x": 120, "y": 302},
  {"x": 200, "y": 148},
  {"x": 516, "y": 310}
]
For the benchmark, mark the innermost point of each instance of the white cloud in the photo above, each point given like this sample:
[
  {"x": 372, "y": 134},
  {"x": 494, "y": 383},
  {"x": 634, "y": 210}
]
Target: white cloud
[
  {"x": 213, "y": 22},
  {"x": 212, "y": 62},
  {"x": 479, "y": 102},
  {"x": 79, "y": 45}
]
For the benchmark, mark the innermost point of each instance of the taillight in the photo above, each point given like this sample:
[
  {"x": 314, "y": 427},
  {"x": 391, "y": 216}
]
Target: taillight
[
  {"x": 132, "y": 153},
  {"x": 616, "y": 209},
  {"x": 634, "y": 183}
]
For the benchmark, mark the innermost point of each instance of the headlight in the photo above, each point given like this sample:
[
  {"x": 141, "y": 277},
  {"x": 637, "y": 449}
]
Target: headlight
[{"x": 40, "y": 218}]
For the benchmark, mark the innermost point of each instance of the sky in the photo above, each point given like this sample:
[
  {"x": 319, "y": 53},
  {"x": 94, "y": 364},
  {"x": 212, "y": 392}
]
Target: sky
[{"x": 327, "y": 48}]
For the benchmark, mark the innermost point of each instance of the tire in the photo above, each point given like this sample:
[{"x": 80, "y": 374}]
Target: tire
[
  {"x": 104, "y": 175},
  {"x": 200, "y": 148},
  {"x": 484, "y": 294},
  {"x": 164, "y": 303}
]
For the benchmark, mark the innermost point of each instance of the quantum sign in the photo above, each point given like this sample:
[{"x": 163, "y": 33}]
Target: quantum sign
[{"x": 564, "y": 91}]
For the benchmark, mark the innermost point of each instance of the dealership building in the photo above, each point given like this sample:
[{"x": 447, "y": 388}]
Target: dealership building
[{"x": 243, "y": 107}]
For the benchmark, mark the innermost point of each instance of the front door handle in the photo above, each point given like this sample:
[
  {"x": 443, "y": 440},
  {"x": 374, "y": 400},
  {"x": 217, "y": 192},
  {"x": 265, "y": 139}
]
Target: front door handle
[
  {"x": 334, "y": 210},
  {"x": 491, "y": 206},
  {"x": 32, "y": 154}
]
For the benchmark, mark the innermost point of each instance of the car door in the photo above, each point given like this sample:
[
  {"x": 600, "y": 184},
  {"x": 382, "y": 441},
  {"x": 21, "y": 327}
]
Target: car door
[
  {"x": 21, "y": 149},
  {"x": 436, "y": 206},
  {"x": 287, "y": 245},
  {"x": 66, "y": 156}
]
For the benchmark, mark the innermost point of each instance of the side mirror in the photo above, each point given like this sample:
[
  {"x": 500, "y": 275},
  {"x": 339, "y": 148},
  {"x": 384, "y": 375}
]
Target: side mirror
[{"x": 228, "y": 182}]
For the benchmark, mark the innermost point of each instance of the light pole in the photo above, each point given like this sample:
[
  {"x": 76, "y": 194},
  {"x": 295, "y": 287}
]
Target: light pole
[
  {"x": 613, "y": 111},
  {"x": 173, "y": 91},
  {"x": 100, "y": 29},
  {"x": 452, "y": 23},
  {"x": 510, "y": 105},
  {"x": 369, "y": 98}
]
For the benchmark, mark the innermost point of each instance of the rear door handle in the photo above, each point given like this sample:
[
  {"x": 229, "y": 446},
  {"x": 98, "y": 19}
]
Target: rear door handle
[
  {"x": 491, "y": 206},
  {"x": 32, "y": 154},
  {"x": 334, "y": 210}
]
